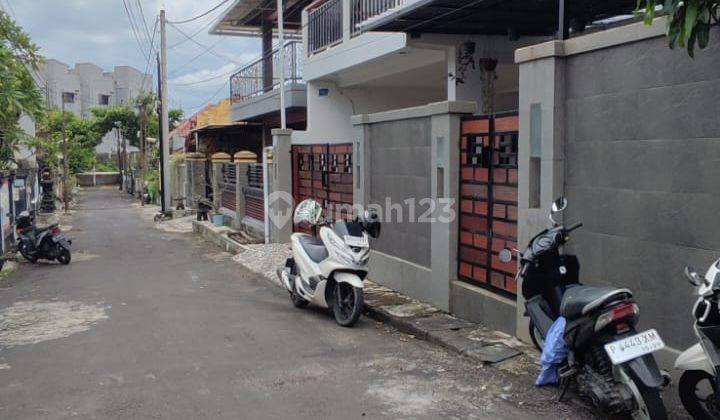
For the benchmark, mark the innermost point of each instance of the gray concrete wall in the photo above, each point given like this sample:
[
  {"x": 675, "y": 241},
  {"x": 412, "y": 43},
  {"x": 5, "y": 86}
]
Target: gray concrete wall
[
  {"x": 412, "y": 153},
  {"x": 101, "y": 178},
  {"x": 400, "y": 159},
  {"x": 630, "y": 133},
  {"x": 641, "y": 171}
]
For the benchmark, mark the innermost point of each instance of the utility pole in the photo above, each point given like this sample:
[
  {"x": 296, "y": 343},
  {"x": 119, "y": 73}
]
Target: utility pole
[
  {"x": 164, "y": 124},
  {"x": 143, "y": 114},
  {"x": 281, "y": 51}
]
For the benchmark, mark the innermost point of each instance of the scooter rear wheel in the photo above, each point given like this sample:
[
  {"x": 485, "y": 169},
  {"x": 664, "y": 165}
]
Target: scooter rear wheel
[
  {"x": 699, "y": 407},
  {"x": 537, "y": 338},
  {"x": 348, "y": 304}
]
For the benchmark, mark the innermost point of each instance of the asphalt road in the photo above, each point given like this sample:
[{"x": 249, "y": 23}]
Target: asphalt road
[{"x": 149, "y": 324}]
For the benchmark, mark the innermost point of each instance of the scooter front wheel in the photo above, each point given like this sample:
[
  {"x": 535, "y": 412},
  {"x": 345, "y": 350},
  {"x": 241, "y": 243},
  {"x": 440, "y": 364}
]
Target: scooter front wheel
[
  {"x": 348, "y": 304},
  {"x": 698, "y": 394},
  {"x": 63, "y": 255},
  {"x": 25, "y": 252}
]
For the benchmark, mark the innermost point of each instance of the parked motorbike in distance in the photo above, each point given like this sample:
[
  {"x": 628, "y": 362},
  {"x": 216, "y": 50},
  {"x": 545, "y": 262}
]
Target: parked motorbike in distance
[
  {"x": 46, "y": 243},
  {"x": 329, "y": 271},
  {"x": 609, "y": 361},
  {"x": 699, "y": 382}
]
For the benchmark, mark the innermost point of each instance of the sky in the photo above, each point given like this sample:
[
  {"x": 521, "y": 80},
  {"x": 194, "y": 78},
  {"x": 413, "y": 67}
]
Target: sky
[{"x": 98, "y": 31}]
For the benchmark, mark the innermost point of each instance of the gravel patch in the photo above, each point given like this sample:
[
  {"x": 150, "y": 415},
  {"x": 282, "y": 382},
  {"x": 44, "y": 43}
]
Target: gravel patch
[
  {"x": 264, "y": 259},
  {"x": 33, "y": 321}
]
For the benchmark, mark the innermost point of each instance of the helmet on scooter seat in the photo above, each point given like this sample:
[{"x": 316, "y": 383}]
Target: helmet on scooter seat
[
  {"x": 307, "y": 212},
  {"x": 371, "y": 223}
]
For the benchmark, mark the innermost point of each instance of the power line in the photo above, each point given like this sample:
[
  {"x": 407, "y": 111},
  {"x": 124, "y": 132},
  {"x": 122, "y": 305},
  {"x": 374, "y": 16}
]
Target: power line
[
  {"x": 209, "y": 49},
  {"x": 144, "y": 22},
  {"x": 149, "y": 58},
  {"x": 202, "y": 28},
  {"x": 178, "y": 22},
  {"x": 204, "y": 80},
  {"x": 212, "y": 98},
  {"x": 134, "y": 30},
  {"x": 192, "y": 60}
]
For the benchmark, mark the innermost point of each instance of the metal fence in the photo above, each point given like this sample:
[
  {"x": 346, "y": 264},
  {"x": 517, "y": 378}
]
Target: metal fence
[
  {"x": 364, "y": 10},
  {"x": 248, "y": 82},
  {"x": 325, "y": 25}
]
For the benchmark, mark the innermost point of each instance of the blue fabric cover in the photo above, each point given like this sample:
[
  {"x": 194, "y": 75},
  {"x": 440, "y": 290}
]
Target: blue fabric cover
[{"x": 554, "y": 352}]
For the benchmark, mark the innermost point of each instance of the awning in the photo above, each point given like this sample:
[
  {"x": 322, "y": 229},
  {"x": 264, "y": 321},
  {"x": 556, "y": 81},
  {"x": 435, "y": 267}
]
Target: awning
[
  {"x": 497, "y": 17},
  {"x": 245, "y": 17}
]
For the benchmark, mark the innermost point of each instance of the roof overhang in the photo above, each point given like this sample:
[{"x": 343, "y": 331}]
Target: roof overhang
[
  {"x": 519, "y": 17},
  {"x": 244, "y": 18},
  {"x": 219, "y": 128}
]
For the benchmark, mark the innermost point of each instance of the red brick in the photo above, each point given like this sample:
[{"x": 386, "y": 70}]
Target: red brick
[
  {"x": 466, "y": 269},
  {"x": 475, "y": 126},
  {"x": 497, "y": 280},
  {"x": 511, "y": 285},
  {"x": 499, "y": 211},
  {"x": 481, "y": 174},
  {"x": 473, "y": 255},
  {"x": 466, "y": 206},
  {"x": 513, "y": 176},
  {"x": 473, "y": 223},
  {"x": 505, "y": 267},
  {"x": 466, "y": 238},
  {"x": 508, "y": 230},
  {"x": 512, "y": 212},
  {"x": 500, "y": 175},
  {"x": 505, "y": 124},
  {"x": 481, "y": 207},
  {"x": 467, "y": 174},
  {"x": 473, "y": 190},
  {"x": 480, "y": 241},
  {"x": 505, "y": 193},
  {"x": 480, "y": 274}
]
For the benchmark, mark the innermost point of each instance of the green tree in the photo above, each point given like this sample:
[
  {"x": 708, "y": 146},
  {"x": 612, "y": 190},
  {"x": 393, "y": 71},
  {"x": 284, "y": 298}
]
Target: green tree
[
  {"x": 689, "y": 21},
  {"x": 82, "y": 137},
  {"x": 18, "y": 92}
]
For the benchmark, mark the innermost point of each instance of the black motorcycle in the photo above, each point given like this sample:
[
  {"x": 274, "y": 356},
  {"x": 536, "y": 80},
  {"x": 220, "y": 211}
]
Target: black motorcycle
[
  {"x": 47, "y": 243},
  {"x": 608, "y": 360}
]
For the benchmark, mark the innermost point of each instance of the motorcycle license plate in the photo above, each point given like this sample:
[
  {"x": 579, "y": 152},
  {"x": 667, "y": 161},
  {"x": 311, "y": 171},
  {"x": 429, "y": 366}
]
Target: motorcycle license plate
[
  {"x": 634, "y": 346},
  {"x": 359, "y": 241}
]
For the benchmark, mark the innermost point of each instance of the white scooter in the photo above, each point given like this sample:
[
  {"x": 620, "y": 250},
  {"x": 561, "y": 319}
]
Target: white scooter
[
  {"x": 699, "y": 383},
  {"x": 329, "y": 271}
]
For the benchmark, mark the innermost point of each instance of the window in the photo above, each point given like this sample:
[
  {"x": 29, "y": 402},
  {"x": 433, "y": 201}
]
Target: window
[
  {"x": 68, "y": 97},
  {"x": 535, "y": 154},
  {"x": 104, "y": 99}
]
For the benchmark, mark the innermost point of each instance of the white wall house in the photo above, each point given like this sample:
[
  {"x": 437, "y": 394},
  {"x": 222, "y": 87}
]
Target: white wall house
[{"x": 91, "y": 86}]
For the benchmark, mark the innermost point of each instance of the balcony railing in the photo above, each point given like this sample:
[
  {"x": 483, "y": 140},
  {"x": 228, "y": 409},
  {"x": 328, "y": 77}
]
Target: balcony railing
[
  {"x": 325, "y": 21},
  {"x": 249, "y": 81},
  {"x": 365, "y": 10},
  {"x": 325, "y": 25}
]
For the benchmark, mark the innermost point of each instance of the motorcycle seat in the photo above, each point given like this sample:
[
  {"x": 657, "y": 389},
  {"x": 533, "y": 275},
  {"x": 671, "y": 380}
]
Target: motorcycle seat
[
  {"x": 314, "y": 248},
  {"x": 581, "y": 300}
]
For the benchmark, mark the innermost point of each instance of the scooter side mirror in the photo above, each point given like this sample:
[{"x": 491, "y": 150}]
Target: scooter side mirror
[
  {"x": 505, "y": 255},
  {"x": 559, "y": 205},
  {"x": 693, "y": 277}
]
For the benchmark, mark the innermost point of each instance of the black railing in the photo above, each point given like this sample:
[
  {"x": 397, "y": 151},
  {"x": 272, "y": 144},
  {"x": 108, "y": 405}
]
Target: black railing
[{"x": 249, "y": 82}]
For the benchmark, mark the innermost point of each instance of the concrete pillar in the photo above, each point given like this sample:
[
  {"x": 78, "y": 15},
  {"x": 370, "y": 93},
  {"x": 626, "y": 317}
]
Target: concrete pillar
[
  {"x": 239, "y": 196},
  {"x": 346, "y": 21},
  {"x": 279, "y": 200},
  {"x": 361, "y": 165},
  {"x": 541, "y": 143},
  {"x": 217, "y": 168},
  {"x": 267, "y": 62},
  {"x": 304, "y": 25},
  {"x": 444, "y": 170}
]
